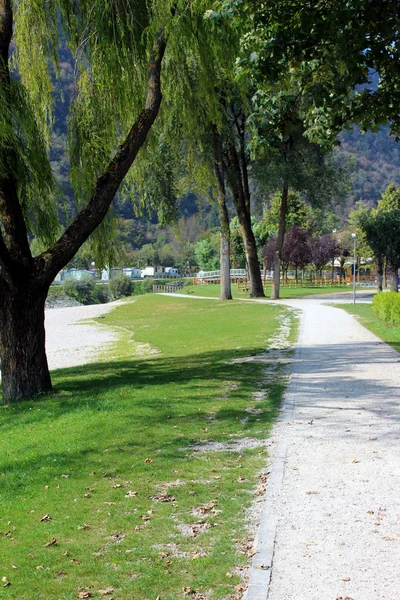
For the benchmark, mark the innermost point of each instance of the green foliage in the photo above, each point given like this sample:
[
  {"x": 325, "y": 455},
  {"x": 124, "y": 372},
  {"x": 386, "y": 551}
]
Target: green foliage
[
  {"x": 382, "y": 229},
  {"x": 147, "y": 285},
  {"x": 26, "y": 158},
  {"x": 82, "y": 290},
  {"x": 101, "y": 294},
  {"x": 390, "y": 199},
  {"x": 120, "y": 286},
  {"x": 207, "y": 255},
  {"x": 357, "y": 217},
  {"x": 298, "y": 213},
  {"x": 387, "y": 307}
]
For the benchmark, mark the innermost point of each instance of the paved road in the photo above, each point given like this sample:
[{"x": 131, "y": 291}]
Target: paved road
[{"x": 333, "y": 504}]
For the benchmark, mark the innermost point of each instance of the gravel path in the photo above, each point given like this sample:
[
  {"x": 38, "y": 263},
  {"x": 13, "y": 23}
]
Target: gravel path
[
  {"x": 73, "y": 337},
  {"x": 333, "y": 501}
]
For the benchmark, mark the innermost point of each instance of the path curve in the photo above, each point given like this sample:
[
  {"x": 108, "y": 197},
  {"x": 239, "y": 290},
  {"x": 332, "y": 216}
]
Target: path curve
[{"x": 73, "y": 337}]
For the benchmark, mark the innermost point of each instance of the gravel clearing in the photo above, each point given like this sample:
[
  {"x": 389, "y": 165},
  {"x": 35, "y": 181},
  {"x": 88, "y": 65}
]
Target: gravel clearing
[
  {"x": 73, "y": 337},
  {"x": 331, "y": 523}
]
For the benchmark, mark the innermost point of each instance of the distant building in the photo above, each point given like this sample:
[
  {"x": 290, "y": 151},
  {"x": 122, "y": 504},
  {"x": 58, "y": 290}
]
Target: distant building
[
  {"x": 78, "y": 274},
  {"x": 153, "y": 272},
  {"x": 132, "y": 272},
  {"x": 172, "y": 272}
]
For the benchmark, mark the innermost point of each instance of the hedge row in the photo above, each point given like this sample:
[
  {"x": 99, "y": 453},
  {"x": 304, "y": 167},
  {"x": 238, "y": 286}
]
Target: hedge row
[{"x": 387, "y": 307}]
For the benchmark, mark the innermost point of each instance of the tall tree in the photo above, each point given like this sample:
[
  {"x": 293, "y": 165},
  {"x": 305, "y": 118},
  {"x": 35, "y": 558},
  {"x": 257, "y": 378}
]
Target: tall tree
[
  {"x": 119, "y": 49},
  {"x": 382, "y": 231}
]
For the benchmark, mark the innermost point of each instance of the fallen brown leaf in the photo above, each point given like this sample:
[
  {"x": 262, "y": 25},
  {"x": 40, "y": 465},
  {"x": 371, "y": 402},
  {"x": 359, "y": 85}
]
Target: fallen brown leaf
[
  {"x": 51, "y": 543},
  {"x": 108, "y": 590},
  {"x": 46, "y": 517}
]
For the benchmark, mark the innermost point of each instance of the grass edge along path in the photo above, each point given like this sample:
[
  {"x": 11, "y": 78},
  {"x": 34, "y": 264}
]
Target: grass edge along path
[
  {"x": 213, "y": 290},
  {"x": 135, "y": 478},
  {"x": 365, "y": 314}
]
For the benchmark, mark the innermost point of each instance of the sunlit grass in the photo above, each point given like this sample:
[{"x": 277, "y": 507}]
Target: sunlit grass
[
  {"x": 213, "y": 290},
  {"x": 110, "y": 458},
  {"x": 365, "y": 314}
]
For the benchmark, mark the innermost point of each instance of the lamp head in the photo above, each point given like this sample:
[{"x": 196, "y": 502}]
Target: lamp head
[{"x": 354, "y": 236}]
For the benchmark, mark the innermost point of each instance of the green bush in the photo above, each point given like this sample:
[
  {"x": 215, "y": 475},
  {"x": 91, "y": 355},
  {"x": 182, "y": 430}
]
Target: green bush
[
  {"x": 82, "y": 290},
  {"x": 120, "y": 286},
  {"x": 387, "y": 307},
  {"x": 101, "y": 294},
  {"x": 147, "y": 284}
]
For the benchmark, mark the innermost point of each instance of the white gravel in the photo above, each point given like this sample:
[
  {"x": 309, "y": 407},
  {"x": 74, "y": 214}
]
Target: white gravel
[
  {"x": 73, "y": 337},
  {"x": 337, "y": 510}
]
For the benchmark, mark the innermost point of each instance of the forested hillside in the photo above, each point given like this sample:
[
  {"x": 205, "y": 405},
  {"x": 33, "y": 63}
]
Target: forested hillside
[{"x": 376, "y": 158}]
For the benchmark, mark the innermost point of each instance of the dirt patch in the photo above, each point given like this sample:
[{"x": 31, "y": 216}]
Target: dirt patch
[
  {"x": 172, "y": 550},
  {"x": 193, "y": 529},
  {"x": 231, "y": 446}
]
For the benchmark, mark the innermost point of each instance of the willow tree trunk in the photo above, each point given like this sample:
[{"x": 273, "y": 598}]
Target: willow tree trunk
[
  {"x": 379, "y": 272},
  {"x": 279, "y": 243},
  {"x": 25, "y": 372}
]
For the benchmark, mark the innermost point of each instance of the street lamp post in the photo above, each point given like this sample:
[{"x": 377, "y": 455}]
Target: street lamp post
[{"x": 354, "y": 236}]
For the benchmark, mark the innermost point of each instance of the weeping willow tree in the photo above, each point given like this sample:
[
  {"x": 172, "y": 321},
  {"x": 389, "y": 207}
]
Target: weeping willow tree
[{"x": 120, "y": 48}]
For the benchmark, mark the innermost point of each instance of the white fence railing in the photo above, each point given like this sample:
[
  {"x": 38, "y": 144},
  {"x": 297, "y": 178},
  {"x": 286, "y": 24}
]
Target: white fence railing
[{"x": 234, "y": 274}]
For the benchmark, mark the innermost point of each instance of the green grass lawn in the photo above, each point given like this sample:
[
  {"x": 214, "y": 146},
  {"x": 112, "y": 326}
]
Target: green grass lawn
[
  {"x": 101, "y": 484},
  {"x": 365, "y": 314},
  {"x": 213, "y": 290}
]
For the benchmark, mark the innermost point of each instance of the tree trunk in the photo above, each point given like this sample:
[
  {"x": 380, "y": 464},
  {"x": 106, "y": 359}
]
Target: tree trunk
[
  {"x": 225, "y": 234},
  {"x": 225, "y": 261},
  {"x": 250, "y": 248},
  {"x": 25, "y": 372},
  {"x": 279, "y": 243},
  {"x": 238, "y": 184},
  {"x": 379, "y": 272},
  {"x": 394, "y": 277}
]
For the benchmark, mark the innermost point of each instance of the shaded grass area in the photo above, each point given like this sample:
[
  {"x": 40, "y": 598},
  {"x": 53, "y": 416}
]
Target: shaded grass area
[
  {"x": 111, "y": 458},
  {"x": 365, "y": 314},
  {"x": 213, "y": 291}
]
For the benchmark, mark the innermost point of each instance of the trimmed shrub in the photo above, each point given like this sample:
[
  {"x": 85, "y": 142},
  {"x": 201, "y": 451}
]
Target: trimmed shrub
[
  {"x": 81, "y": 290},
  {"x": 120, "y": 286},
  {"x": 387, "y": 307}
]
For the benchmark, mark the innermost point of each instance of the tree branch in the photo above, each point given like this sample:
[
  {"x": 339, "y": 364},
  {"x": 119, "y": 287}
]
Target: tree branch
[{"x": 62, "y": 251}]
